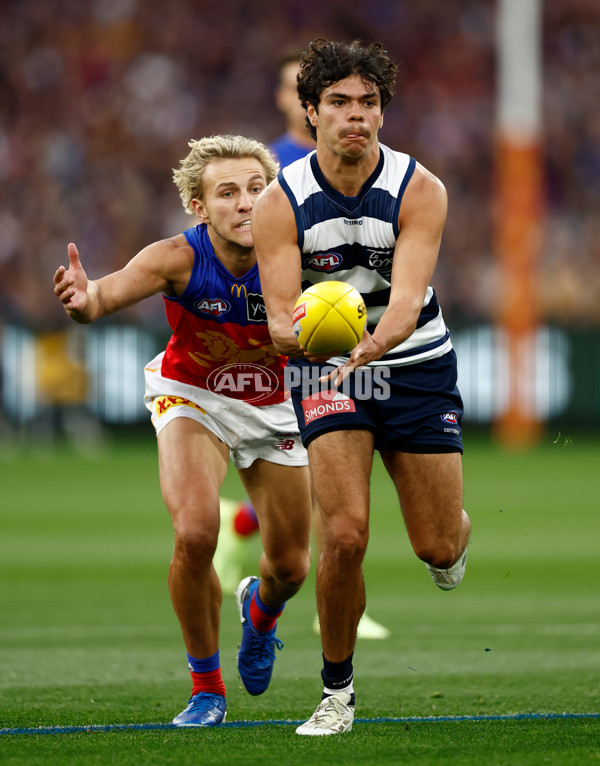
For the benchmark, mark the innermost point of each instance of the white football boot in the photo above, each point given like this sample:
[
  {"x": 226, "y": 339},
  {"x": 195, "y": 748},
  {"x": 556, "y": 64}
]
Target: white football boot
[{"x": 334, "y": 715}]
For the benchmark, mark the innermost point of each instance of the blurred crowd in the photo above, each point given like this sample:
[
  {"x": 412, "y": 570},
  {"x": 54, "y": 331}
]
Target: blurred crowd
[{"x": 99, "y": 99}]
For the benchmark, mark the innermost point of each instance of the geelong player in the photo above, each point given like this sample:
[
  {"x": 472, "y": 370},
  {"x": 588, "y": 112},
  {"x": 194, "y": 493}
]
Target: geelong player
[
  {"x": 358, "y": 212},
  {"x": 296, "y": 142},
  {"x": 216, "y": 392}
]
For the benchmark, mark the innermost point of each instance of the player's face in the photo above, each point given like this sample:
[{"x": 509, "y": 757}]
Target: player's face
[
  {"x": 231, "y": 187},
  {"x": 348, "y": 118},
  {"x": 287, "y": 99}
]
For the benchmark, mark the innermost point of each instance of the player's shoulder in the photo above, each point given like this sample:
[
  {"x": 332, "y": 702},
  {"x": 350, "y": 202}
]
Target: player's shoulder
[
  {"x": 172, "y": 257},
  {"x": 176, "y": 247},
  {"x": 271, "y": 199},
  {"x": 426, "y": 188},
  {"x": 272, "y": 215},
  {"x": 426, "y": 180}
]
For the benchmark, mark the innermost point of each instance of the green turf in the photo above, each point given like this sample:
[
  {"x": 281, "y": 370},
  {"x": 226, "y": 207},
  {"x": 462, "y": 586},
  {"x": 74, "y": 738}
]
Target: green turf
[{"x": 87, "y": 634}]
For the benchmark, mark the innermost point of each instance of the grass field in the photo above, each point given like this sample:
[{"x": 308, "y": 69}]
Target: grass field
[{"x": 87, "y": 634}]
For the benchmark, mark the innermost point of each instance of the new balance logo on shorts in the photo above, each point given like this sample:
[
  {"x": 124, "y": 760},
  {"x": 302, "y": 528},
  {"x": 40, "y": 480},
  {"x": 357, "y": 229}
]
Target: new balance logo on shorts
[
  {"x": 326, "y": 403},
  {"x": 286, "y": 440},
  {"x": 285, "y": 444}
]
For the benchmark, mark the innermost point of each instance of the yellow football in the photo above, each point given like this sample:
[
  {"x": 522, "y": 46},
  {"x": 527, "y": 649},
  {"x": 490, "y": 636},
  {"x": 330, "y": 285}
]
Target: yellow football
[{"x": 328, "y": 317}]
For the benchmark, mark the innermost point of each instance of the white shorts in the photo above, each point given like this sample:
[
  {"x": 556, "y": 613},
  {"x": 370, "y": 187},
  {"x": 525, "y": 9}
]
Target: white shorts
[{"x": 250, "y": 432}]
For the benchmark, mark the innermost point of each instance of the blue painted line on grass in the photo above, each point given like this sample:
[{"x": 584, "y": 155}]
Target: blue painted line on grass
[{"x": 93, "y": 728}]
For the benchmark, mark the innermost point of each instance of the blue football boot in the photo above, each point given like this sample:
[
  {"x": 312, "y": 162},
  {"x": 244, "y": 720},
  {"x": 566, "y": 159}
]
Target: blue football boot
[
  {"x": 203, "y": 709},
  {"x": 257, "y": 651}
]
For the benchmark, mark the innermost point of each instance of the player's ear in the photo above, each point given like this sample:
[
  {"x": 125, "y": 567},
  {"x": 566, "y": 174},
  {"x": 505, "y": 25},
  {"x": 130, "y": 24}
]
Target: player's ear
[
  {"x": 312, "y": 114},
  {"x": 200, "y": 210}
]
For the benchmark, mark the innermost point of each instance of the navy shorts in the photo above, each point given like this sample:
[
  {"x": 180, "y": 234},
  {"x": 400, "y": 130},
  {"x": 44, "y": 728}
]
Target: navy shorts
[{"x": 413, "y": 408}]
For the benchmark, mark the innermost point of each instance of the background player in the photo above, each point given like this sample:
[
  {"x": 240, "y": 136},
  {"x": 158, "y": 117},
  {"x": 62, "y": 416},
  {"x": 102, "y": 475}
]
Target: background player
[
  {"x": 382, "y": 214},
  {"x": 296, "y": 142},
  {"x": 209, "y": 280}
]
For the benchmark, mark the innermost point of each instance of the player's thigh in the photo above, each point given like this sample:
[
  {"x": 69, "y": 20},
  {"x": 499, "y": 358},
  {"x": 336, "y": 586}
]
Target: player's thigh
[
  {"x": 281, "y": 497},
  {"x": 193, "y": 463},
  {"x": 341, "y": 464},
  {"x": 430, "y": 490}
]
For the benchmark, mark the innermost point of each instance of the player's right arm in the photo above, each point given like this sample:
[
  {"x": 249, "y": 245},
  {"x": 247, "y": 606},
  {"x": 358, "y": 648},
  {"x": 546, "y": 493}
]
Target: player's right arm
[
  {"x": 279, "y": 263},
  {"x": 163, "y": 266}
]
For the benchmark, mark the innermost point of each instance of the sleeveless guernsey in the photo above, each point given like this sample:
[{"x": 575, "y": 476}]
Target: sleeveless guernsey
[
  {"x": 220, "y": 322},
  {"x": 352, "y": 239}
]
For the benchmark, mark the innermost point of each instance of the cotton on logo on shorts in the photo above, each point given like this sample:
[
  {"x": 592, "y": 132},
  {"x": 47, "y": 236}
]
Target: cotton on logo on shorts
[
  {"x": 246, "y": 382},
  {"x": 326, "y": 403}
]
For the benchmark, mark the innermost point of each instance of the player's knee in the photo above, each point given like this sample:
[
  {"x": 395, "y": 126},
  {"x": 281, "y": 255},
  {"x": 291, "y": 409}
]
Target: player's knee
[
  {"x": 291, "y": 570},
  {"x": 195, "y": 544},
  {"x": 347, "y": 546}
]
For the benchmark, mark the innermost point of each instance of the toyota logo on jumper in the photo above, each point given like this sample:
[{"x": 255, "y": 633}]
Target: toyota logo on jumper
[{"x": 248, "y": 382}]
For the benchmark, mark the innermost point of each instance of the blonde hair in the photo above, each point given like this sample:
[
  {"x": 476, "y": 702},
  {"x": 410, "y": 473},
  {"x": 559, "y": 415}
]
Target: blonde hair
[{"x": 190, "y": 175}]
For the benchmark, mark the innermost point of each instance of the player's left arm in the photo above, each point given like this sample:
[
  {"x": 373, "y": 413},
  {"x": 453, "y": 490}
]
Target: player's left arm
[
  {"x": 279, "y": 264},
  {"x": 421, "y": 222}
]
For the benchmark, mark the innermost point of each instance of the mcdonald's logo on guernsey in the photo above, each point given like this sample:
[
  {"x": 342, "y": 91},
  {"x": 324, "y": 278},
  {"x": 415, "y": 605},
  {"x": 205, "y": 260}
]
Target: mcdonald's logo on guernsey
[{"x": 239, "y": 289}]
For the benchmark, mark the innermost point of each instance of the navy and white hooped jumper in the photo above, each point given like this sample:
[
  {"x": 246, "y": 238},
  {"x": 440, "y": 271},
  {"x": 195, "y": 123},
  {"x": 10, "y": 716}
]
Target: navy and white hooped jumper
[{"x": 352, "y": 239}]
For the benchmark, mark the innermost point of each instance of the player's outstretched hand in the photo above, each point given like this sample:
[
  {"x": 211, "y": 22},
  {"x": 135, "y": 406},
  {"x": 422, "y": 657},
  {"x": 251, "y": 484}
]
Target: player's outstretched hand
[
  {"x": 71, "y": 285},
  {"x": 366, "y": 351}
]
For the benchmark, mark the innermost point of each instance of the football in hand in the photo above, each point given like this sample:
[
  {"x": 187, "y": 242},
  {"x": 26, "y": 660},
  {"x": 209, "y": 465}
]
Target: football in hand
[{"x": 329, "y": 317}]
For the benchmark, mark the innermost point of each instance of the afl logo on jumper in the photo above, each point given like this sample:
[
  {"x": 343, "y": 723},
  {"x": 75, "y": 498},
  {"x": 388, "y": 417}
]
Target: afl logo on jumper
[
  {"x": 213, "y": 306},
  {"x": 324, "y": 262}
]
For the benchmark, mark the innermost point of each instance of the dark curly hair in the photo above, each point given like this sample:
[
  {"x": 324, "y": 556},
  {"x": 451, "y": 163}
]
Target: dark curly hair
[{"x": 326, "y": 62}]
